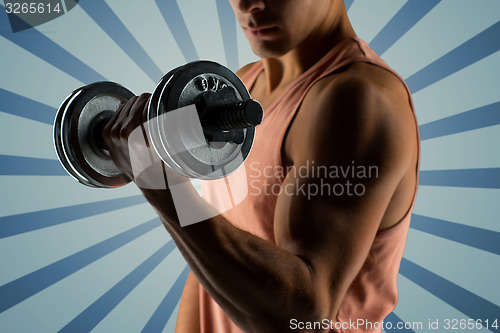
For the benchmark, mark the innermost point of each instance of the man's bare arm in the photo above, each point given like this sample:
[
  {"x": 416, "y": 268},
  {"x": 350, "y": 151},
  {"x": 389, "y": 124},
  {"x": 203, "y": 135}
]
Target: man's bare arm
[
  {"x": 322, "y": 241},
  {"x": 188, "y": 318},
  {"x": 360, "y": 122}
]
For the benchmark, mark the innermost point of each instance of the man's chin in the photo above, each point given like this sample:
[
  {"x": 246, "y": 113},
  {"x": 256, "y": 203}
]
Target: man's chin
[{"x": 273, "y": 49}]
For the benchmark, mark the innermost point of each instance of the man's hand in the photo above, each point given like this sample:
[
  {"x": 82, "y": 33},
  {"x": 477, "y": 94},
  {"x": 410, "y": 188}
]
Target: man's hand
[
  {"x": 116, "y": 133},
  {"x": 126, "y": 137},
  {"x": 171, "y": 194}
]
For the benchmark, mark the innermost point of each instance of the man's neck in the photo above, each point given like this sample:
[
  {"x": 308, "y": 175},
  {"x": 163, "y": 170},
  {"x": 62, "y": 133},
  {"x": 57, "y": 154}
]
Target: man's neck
[{"x": 281, "y": 71}]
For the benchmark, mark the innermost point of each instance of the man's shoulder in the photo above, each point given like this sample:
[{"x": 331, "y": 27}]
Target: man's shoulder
[
  {"x": 359, "y": 92},
  {"x": 243, "y": 70},
  {"x": 355, "y": 104},
  {"x": 360, "y": 81}
]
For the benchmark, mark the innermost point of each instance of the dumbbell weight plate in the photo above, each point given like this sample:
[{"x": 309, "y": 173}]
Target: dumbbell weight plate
[
  {"x": 180, "y": 145},
  {"x": 75, "y": 148},
  {"x": 154, "y": 105}
]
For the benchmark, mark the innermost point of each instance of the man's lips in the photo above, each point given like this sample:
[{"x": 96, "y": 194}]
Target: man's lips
[{"x": 261, "y": 31}]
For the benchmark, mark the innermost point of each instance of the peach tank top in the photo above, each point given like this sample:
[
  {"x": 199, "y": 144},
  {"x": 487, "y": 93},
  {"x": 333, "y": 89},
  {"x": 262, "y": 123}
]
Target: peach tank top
[{"x": 252, "y": 191}]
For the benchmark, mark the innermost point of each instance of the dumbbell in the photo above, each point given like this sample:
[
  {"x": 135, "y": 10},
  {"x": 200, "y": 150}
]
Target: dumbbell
[{"x": 225, "y": 111}]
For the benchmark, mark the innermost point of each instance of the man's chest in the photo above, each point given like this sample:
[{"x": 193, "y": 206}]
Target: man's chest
[{"x": 268, "y": 96}]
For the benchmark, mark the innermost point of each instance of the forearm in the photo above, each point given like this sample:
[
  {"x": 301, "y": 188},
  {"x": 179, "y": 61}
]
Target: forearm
[
  {"x": 258, "y": 284},
  {"x": 254, "y": 281}
]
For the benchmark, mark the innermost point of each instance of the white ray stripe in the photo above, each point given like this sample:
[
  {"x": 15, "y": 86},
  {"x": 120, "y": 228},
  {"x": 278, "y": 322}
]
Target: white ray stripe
[
  {"x": 32, "y": 193},
  {"x": 146, "y": 24},
  {"x": 80, "y": 234},
  {"x": 201, "y": 23},
  {"x": 77, "y": 291},
  {"x": 25, "y": 137},
  {"x": 369, "y": 17},
  {"x": 474, "y": 207},
  {"x": 448, "y": 25},
  {"x": 29, "y": 76},
  {"x": 458, "y": 263},
  {"x": 472, "y": 87},
  {"x": 94, "y": 47},
  {"x": 417, "y": 304},
  {"x": 144, "y": 299},
  {"x": 64, "y": 6},
  {"x": 467, "y": 150}
]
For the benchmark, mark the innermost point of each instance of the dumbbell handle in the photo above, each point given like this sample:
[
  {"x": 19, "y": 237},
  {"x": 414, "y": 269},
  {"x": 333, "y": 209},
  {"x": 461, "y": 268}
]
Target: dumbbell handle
[
  {"x": 232, "y": 116},
  {"x": 96, "y": 128},
  {"x": 222, "y": 117}
]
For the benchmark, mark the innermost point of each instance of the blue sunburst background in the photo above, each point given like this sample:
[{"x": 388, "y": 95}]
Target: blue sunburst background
[{"x": 78, "y": 259}]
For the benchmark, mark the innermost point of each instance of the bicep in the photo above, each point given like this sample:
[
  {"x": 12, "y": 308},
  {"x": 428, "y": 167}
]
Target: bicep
[
  {"x": 352, "y": 162},
  {"x": 331, "y": 233}
]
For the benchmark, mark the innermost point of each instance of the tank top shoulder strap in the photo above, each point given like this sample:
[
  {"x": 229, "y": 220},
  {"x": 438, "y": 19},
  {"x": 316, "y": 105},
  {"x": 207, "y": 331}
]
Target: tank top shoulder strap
[
  {"x": 342, "y": 54},
  {"x": 251, "y": 74},
  {"x": 284, "y": 109},
  {"x": 360, "y": 51}
]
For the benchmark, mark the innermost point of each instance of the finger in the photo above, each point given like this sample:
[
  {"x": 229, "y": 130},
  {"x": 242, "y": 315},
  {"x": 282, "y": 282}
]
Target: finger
[
  {"x": 120, "y": 112},
  {"x": 124, "y": 111},
  {"x": 145, "y": 111},
  {"x": 134, "y": 117},
  {"x": 136, "y": 113},
  {"x": 122, "y": 115},
  {"x": 144, "y": 121}
]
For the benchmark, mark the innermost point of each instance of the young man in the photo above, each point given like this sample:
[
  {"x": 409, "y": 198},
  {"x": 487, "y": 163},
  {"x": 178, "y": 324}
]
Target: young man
[{"x": 294, "y": 260}]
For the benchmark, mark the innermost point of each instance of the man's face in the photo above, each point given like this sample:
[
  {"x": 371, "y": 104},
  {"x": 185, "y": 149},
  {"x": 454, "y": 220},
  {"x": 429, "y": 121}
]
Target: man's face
[{"x": 275, "y": 27}]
